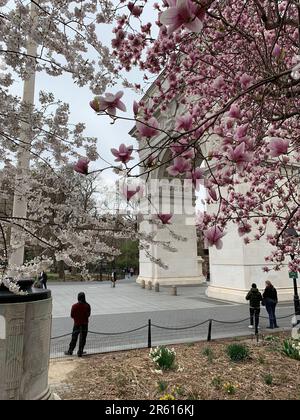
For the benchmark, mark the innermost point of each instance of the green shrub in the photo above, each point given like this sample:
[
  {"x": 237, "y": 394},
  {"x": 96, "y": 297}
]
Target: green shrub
[
  {"x": 268, "y": 378},
  {"x": 217, "y": 382},
  {"x": 229, "y": 388},
  {"x": 163, "y": 357},
  {"x": 162, "y": 386},
  {"x": 291, "y": 348},
  {"x": 208, "y": 353},
  {"x": 238, "y": 352}
]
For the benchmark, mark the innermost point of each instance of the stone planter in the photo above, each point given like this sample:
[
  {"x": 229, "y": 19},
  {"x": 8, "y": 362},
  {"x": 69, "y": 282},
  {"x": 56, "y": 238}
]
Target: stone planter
[{"x": 25, "y": 328}]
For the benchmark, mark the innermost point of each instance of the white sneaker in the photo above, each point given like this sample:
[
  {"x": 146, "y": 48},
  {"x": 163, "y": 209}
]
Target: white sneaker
[{"x": 251, "y": 326}]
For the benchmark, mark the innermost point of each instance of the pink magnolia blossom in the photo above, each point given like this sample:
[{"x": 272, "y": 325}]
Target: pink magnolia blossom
[
  {"x": 184, "y": 122},
  {"x": 212, "y": 193},
  {"x": 130, "y": 190},
  {"x": 82, "y": 166},
  {"x": 123, "y": 154},
  {"x": 182, "y": 148},
  {"x": 218, "y": 83},
  {"x": 109, "y": 103},
  {"x": 135, "y": 10},
  {"x": 164, "y": 218},
  {"x": 244, "y": 228},
  {"x": 180, "y": 166},
  {"x": 278, "y": 146},
  {"x": 213, "y": 236},
  {"x": 234, "y": 112},
  {"x": 239, "y": 155},
  {"x": 196, "y": 176},
  {"x": 184, "y": 13},
  {"x": 241, "y": 131},
  {"x": 276, "y": 51},
  {"x": 246, "y": 80},
  {"x": 149, "y": 128},
  {"x": 135, "y": 107}
]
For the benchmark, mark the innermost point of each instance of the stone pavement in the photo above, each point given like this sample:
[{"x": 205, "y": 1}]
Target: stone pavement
[
  {"x": 127, "y": 307},
  {"x": 127, "y": 297}
]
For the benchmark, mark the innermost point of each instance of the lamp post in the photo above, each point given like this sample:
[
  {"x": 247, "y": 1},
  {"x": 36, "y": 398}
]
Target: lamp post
[{"x": 294, "y": 274}]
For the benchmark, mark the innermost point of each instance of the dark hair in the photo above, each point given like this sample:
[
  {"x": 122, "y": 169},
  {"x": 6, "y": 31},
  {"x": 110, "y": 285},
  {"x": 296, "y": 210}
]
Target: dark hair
[
  {"x": 254, "y": 286},
  {"x": 81, "y": 297}
]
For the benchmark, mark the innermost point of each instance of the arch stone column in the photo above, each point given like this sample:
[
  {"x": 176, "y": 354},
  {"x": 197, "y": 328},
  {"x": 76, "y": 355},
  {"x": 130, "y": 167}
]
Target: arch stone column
[
  {"x": 236, "y": 266},
  {"x": 183, "y": 263}
]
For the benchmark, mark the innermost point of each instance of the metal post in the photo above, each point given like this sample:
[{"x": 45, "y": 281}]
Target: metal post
[
  {"x": 209, "y": 330},
  {"x": 149, "y": 334},
  {"x": 256, "y": 324},
  {"x": 296, "y": 296}
]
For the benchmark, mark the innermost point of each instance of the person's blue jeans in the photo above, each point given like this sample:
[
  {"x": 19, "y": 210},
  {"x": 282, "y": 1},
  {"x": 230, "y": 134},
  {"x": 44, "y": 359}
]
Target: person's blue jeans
[{"x": 270, "y": 307}]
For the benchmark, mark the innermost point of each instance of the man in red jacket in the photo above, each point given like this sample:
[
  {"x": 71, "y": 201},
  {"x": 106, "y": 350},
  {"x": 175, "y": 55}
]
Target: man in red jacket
[{"x": 80, "y": 312}]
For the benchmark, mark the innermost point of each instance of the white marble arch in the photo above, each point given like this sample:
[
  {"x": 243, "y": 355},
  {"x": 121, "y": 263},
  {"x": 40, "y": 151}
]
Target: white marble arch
[
  {"x": 236, "y": 266},
  {"x": 183, "y": 265},
  {"x": 232, "y": 269}
]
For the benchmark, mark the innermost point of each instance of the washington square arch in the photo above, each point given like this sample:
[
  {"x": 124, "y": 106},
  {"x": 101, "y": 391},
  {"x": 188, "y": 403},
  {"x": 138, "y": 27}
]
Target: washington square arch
[{"x": 232, "y": 269}]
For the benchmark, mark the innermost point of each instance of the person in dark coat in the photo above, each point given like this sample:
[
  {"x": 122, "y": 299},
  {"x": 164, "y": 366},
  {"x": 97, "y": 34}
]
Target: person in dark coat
[
  {"x": 254, "y": 296},
  {"x": 80, "y": 313},
  {"x": 270, "y": 301},
  {"x": 43, "y": 279}
]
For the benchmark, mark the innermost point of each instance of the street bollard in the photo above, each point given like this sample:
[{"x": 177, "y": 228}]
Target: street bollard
[
  {"x": 156, "y": 286},
  {"x": 174, "y": 290},
  {"x": 149, "y": 285},
  {"x": 143, "y": 284}
]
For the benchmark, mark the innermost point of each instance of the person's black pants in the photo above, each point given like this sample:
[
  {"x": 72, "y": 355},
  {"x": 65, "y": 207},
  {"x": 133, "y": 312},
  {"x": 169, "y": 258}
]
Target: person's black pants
[
  {"x": 254, "y": 316},
  {"x": 44, "y": 284},
  {"x": 81, "y": 330}
]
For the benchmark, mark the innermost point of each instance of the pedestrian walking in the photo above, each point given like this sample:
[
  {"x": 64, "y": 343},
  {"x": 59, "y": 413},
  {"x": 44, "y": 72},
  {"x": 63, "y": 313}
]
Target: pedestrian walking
[
  {"x": 254, "y": 296},
  {"x": 80, "y": 313},
  {"x": 43, "y": 279},
  {"x": 131, "y": 271},
  {"x": 113, "y": 278},
  {"x": 270, "y": 300}
]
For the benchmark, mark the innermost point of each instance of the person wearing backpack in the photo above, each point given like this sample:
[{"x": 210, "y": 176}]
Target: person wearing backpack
[{"x": 254, "y": 296}]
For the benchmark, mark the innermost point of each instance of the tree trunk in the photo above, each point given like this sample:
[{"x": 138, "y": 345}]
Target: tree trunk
[{"x": 61, "y": 270}]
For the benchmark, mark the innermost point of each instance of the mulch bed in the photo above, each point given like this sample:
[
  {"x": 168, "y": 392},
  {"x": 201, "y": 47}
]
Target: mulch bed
[{"x": 131, "y": 374}]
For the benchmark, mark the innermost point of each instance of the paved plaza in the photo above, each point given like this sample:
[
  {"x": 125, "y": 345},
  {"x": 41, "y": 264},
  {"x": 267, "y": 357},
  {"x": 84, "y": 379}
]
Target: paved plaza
[
  {"x": 128, "y": 307},
  {"x": 127, "y": 297}
]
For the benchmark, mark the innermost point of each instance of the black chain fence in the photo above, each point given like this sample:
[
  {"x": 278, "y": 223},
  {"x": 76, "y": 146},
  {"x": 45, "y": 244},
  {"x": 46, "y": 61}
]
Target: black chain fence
[{"x": 151, "y": 334}]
